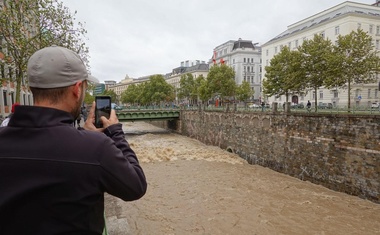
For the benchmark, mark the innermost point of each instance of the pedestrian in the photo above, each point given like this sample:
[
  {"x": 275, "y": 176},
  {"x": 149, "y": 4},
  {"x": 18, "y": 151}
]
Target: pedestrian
[
  {"x": 308, "y": 105},
  {"x": 84, "y": 113},
  {"x": 262, "y": 106},
  {"x": 6, "y": 120},
  {"x": 53, "y": 176}
]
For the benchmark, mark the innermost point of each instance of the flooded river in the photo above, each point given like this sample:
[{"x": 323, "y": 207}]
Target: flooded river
[{"x": 199, "y": 189}]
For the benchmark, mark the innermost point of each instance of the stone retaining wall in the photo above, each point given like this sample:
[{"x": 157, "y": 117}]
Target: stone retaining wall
[{"x": 341, "y": 152}]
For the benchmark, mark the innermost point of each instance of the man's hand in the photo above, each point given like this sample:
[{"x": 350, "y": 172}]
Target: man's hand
[{"x": 90, "y": 122}]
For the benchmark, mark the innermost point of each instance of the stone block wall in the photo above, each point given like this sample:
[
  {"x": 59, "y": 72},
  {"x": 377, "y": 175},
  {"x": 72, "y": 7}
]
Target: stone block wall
[{"x": 341, "y": 152}]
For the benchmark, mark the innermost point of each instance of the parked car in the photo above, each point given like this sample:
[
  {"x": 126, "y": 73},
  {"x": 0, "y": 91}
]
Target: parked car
[
  {"x": 254, "y": 106},
  {"x": 297, "y": 106},
  {"x": 375, "y": 105},
  {"x": 325, "y": 106},
  {"x": 116, "y": 107}
]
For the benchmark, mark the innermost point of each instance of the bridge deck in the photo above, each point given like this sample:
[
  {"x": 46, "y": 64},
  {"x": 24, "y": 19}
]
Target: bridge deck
[{"x": 146, "y": 115}]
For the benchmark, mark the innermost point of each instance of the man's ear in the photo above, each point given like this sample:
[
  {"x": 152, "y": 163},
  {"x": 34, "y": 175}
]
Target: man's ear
[{"x": 77, "y": 90}]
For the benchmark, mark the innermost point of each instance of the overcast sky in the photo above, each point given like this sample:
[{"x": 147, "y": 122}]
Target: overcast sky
[{"x": 144, "y": 37}]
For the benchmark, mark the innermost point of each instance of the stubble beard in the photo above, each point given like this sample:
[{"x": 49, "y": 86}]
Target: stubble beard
[{"x": 77, "y": 108}]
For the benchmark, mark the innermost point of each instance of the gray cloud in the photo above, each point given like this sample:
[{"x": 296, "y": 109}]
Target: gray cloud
[{"x": 143, "y": 37}]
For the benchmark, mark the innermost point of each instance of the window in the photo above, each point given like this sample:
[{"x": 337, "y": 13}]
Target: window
[
  {"x": 321, "y": 95},
  {"x": 252, "y": 60},
  {"x": 248, "y": 69},
  {"x": 377, "y": 44},
  {"x": 371, "y": 29},
  {"x": 313, "y": 96},
  {"x": 336, "y": 94},
  {"x": 369, "y": 93},
  {"x": 2, "y": 70},
  {"x": 290, "y": 45},
  {"x": 296, "y": 44},
  {"x": 336, "y": 30},
  {"x": 378, "y": 30},
  {"x": 244, "y": 68},
  {"x": 376, "y": 93},
  {"x": 357, "y": 93},
  {"x": 267, "y": 52},
  {"x": 12, "y": 97},
  {"x": 244, "y": 60},
  {"x": 233, "y": 61},
  {"x": 5, "y": 98}
]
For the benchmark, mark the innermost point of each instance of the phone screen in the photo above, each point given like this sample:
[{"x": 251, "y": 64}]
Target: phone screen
[{"x": 103, "y": 108}]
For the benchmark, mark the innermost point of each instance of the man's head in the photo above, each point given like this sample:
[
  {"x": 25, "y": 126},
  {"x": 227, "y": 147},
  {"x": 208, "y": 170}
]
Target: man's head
[{"x": 58, "y": 77}]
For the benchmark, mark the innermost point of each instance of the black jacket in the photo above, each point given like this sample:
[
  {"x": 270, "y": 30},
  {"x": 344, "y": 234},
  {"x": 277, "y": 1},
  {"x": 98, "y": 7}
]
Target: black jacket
[{"x": 53, "y": 176}]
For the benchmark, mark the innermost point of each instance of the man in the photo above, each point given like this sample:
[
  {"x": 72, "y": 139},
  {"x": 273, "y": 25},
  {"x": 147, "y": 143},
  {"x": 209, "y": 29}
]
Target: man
[{"x": 53, "y": 176}]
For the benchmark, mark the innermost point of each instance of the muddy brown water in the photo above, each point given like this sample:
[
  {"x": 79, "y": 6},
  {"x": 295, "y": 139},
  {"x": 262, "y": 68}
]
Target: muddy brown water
[{"x": 198, "y": 189}]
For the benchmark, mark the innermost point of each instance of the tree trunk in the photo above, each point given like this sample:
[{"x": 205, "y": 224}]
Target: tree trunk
[
  {"x": 349, "y": 95},
  {"x": 19, "y": 77},
  {"x": 315, "y": 100}
]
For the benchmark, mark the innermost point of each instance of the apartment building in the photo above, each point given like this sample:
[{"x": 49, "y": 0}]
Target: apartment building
[
  {"x": 341, "y": 19},
  {"x": 8, "y": 74},
  {"x": 245, "y": 59},
  {"x": 196, "y": 68}
]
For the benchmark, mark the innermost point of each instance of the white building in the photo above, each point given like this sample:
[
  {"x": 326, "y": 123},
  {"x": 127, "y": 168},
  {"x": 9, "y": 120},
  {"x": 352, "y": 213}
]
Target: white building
[
  {"x": 245, "y": 58},
  {"x": 338, "y": 20},
  {"x": 196, "y": 68}
]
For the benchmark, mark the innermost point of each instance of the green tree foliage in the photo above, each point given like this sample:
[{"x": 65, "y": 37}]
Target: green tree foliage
[
  {"x": 157, "y": 90},
  {"x": 355, "y": 62},
  {"x": 202, "y": 90},
  {"x": 283, "y": 75},
  {"x": 244, "y": 91},
  {"x": 220, "y": 81},
  {"x": 112, "y": 94},
  {"x": 88, "y": 99},
  {"x": 29, "y": 25},
  {"x": 315, "y": 55},
  {"x": 132, "y": 94},
  {"x": 188, "y": 87}
]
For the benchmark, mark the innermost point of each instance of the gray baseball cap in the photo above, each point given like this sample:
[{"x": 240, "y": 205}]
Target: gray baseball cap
[{"x": 54, "y": 66}]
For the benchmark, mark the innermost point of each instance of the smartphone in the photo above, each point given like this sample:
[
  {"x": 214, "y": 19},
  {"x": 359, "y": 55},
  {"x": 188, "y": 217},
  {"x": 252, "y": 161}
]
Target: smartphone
[{"x": 103, "y": 108}]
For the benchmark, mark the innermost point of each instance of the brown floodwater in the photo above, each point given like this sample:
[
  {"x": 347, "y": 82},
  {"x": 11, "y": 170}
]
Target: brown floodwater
[{"x": 198, "y": 189}]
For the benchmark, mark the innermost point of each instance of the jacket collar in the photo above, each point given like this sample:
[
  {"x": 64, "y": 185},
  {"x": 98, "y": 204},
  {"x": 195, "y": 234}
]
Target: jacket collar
[{"x": 34, "y": 116}]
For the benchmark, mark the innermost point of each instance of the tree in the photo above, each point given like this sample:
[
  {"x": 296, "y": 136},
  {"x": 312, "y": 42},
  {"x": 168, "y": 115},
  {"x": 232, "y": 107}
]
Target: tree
[
  {"x": 202, "y": 90},
  {"x": 244, "y": 91},
  {"x": 157, "y": 90},
  {"x": 112, "y": 94},
  {"x": 29, "y": 25},
  {"x": 188, "y": 87},
  {"x": 220, "y": 81},
  {"x": 283, "y": 75},
  {"x": 315, "y": 55},
  {"x": 131, "y": 94},
  {"x": 355, "y": 62}
]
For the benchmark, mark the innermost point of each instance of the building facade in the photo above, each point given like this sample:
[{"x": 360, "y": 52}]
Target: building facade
[
  {"x": 338, "y": 20},
  {"x": 196, "y": 68},
  {"x": 245, "y": 59},
  {"x": 8, "y": 72}
]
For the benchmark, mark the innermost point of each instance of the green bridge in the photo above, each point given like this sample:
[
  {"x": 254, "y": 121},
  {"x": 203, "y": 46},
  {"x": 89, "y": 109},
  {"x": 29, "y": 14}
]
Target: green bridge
[{"x": 147, "y": 115}]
